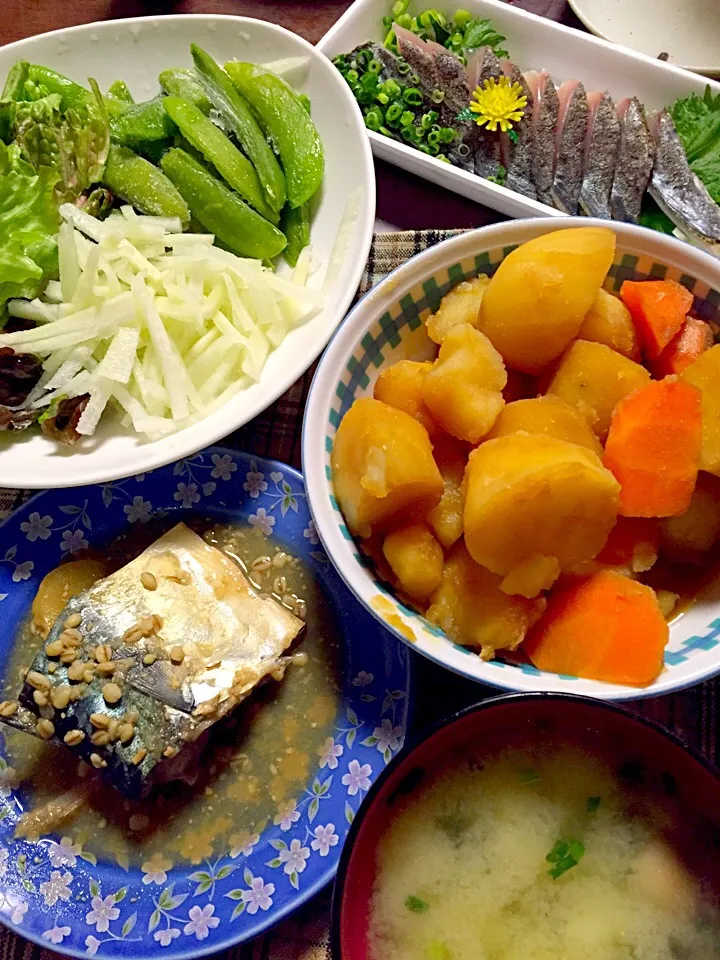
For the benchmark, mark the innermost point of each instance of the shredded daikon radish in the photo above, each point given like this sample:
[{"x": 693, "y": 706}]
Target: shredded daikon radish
[{"x": 161, "y": 325}]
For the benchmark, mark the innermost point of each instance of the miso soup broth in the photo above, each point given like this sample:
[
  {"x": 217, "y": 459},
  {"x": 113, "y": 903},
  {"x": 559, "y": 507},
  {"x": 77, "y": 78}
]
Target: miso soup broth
[{"x": 545, "y": 854}]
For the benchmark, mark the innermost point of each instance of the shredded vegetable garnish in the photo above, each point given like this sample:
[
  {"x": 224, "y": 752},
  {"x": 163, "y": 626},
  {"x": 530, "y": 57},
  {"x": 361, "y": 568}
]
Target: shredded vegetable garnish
[{"x": 162, "y": 325}]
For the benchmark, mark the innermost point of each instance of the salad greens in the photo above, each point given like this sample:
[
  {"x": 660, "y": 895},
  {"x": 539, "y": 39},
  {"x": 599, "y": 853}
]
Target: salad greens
[{"x": 697, "y": 121}]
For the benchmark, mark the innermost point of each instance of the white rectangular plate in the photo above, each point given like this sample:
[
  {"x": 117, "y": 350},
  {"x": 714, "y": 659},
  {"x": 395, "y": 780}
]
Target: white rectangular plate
[{"x": 534, "y": 43}]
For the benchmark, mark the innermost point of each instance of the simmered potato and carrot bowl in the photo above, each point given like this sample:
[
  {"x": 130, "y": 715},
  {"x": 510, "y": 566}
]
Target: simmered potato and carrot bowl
[{"x": 539, "y": 475}]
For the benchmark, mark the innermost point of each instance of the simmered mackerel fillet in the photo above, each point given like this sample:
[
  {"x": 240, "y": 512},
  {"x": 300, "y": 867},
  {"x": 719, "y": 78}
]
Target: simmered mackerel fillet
[{"x": 139, "y": 666}]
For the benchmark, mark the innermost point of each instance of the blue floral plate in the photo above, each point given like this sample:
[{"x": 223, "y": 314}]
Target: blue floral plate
[{"x": 55, "y": 893}]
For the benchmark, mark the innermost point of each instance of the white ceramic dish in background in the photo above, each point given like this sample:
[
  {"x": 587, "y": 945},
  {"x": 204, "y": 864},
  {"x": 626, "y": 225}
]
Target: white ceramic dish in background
[
  {"x": 534, "y": 43},
  {"x": 136, "y": 51},
  {"x": 687, "y": 30},
  {"x": 382, "y": 329}
]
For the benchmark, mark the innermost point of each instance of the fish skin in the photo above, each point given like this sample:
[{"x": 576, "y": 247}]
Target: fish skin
[
  {"x": 636, "y": 155},
  {"x": 518, "y": 156},
  {"x": 677, "y": 190},
  {"x": 601, "y": 151},
  {"x": 487, "y": 160},
  {"x": 569, "y": 146},
  {"x": 544, "y": 122},
  {"x": 420, "y": 57}
]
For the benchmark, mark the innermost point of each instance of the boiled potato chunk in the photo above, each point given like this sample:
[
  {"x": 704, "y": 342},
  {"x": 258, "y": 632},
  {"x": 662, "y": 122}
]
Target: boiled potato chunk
[
  {"x": 608, "y": 321},
  {"x": 537, "y": 300},
  {"x": 687, "y": 538},
  {"x": 460, "y": 305},
  {"x": 594, "y": 379},
  {"x": 704, "y": 374},
  {"x": 530, "y": 496},
  {"x": 463, "y": 390},
  {"x": 383, "y": 467},
  {"x": 416, "y": 559},
  {"x": 530, "y": 578},
  {"x": 446, "y": 519},
  {"x": 472, "y": 610},
  {"x": 401, "y": 385},
  {"x": 548, "y": 415}
]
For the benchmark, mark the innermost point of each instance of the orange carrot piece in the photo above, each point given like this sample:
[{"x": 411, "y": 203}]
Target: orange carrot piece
[
  {"x": 695, "y": 337},
  {"x": 605, "y": 627},
  {"x": 653, "y": 448},
  {"x": 658, "y": 309},
  {"x": 633, "y": 543}
]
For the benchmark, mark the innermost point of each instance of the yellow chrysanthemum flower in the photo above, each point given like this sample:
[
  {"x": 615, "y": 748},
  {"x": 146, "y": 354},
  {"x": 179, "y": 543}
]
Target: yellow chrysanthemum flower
[{"x": 498, "y": 103}]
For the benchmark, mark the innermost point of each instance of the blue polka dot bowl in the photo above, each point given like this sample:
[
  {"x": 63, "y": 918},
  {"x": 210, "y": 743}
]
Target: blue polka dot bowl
[{"x": 386, "y": 326}]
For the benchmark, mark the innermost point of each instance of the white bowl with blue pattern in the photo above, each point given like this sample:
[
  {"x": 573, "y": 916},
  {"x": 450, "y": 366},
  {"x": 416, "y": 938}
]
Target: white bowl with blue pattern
[{"x": 382, "y": 329}]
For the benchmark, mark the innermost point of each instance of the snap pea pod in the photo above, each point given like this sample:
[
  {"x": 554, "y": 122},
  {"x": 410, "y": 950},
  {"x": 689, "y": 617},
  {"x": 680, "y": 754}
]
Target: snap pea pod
[
  {"x": 71, "y": 93},
  {"x": 133, "y": 123},
  {"x": 215, "y": 147},
  {"x": 15, "y": 80},
  {"x": 137, "y": 181},
  {"x": 296, "y": 227},
  {"x": 239, "y": 118},
  {"x": 184, "y": 83},
  {"x": 120, "y": 90},
  {"x": 287, "y": 125},
  {"x": 221, "y": 211}
]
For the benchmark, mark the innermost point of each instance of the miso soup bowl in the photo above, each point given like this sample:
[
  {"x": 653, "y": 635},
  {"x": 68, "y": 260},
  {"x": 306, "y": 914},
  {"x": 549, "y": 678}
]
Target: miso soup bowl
[
  {"x": 601, "y": 729},
  {"x": 386, "y": 326}
]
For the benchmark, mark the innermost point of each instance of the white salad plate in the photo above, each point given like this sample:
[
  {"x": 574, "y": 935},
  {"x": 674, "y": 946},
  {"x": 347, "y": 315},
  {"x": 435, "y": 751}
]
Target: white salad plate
[
  {"x": 534, "y": 43},
  {"x": 688, "y": 31},
  {"x": 136, "y": 51}
]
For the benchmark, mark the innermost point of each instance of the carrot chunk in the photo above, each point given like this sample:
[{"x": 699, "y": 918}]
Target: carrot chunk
[
  {"x": 694, "y": 338},
  {"x": 658, "y": 309},
  {"x": 605, "y": 627},
  {"x": 653, "y": 448}
]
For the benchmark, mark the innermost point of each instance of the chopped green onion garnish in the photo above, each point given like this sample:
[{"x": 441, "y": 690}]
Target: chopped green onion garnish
[
  {"x": 412, "y": 96},
  {"x": 592, "y": 804},
  {"x": 565, "y": 855},
  {"x": 416, "y": 904},
  {"x": 437, "y": 96}
]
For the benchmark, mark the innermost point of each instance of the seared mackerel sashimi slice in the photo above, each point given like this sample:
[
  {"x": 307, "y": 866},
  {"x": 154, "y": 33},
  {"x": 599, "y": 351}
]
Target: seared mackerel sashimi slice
[
  {"x": 484, "y": 65},
  {"x": 421, "y": 58},
  {"x": 517, "y": 154},
  {"x": 634, "y": 163},
  {"x": 677, "y": 190},
  {"x": 544, "y": 121},
  {"x": 602, "y": 142},
  {"x": 569, "y": 146}
]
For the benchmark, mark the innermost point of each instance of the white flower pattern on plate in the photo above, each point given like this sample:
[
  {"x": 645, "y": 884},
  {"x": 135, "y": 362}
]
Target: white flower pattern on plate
[
  {"x": 201, "y": 921},
  {"x": 294, "y": 857},
  {"x": 255, "y": 482},
  {"x": 23, "y": 570},
  {"x": 262, "y": 520},
  {"x": 64, "y": 854},
  {"x": 310, "y": 533},
  {"x": 103, "y": 911},
  {"x": 92, "y": 944},
  {"x": 259, "y": 896},
  {"x": 73, "y": 541},
  {"x": 187, "y": 494},
  {"x": 155, "y": 870},
  {"x": 139, "y": 511},
  {"x": 357, "y": 777},
  {"x": 388, "y": 736},
  {"x": 363, "y": 679},
  {"x": 329, "y": 754},
  {"x": 243, "y": 843},
  {"x": 56, "y": 888},
  {"x": 287, "y": 815},
  {"x": 57, "y": 934},
  {"x": 37, "y": 527},
  {"x": 325, "y": 837},
  {"x": 3, "y": 861},
  {"x": 276, "y": 476},
  {"x": 166, "y": 937},
  {"x": 224, "y": 467},
  {"x": 17, "y": 914}
]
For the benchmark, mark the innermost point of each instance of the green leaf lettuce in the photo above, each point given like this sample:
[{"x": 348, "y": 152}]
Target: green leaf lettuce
[{"x": 697, "y": 121}]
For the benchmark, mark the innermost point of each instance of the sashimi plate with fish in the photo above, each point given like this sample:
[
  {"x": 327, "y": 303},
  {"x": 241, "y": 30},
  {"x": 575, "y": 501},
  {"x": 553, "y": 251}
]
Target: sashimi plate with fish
[
  {"x": 533, "y": 118},
  {"x": 236, "y": 837}
]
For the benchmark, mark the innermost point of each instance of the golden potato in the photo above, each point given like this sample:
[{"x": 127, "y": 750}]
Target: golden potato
[
  {"x": 549, "y": 415},
  {"x": 382, "y": 467},
  {"x": 704, "y": 374},
  {"x": 688, "y": 537},
  {"x": 445, "y": 520},
  {"x": 608, "y": 321},
  {"x": 529, "y": 496},
  {"x": 472, "y": 610},
  {"x": 594, "y": 379},
  {"x": 401, "y": 385},
  {"x": 535, "y": 304},
  {"x": 416, "y": 559},
  {"x": 531, "y": 577},
  {"x": 460, "y": 305},
  {"x": 463, "y": 390}
]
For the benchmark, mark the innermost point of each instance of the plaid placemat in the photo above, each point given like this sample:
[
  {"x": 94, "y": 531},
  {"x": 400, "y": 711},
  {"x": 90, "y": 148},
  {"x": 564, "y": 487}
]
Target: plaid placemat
[{"x": 276, "y": 433}]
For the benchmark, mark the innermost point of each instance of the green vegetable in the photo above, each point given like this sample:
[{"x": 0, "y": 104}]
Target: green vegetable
[
  {"x": 697, "y": 121},
  {"x": 238, "y": 116},
  {"x": 592, "y": 804},
  {"x": 416, "y": 904},
  {"x": 137, "y": 181},
  {"x": 296, "y": 227},
  {"x": 98, "y": 203},
  {"x": 184, "y": 83},
  {"x": 51, "y": 411},
  {"x": 287, "y": 125},
  {"x": 454, "y": 824},
  {"x": 135, "y": 123},
  {"x": 29, "y": 218},
  {"x": 481, "y": 33},
  {"x": 462, "y": 34},
  {"x": 15, "y": 81},
  {"x": 215, "y": 147},
  {"x": 71, "y": 93},
  {"x": 305, "y": 101},
  {"x": 565, "y": 855},
  {"x": 654, "y": 218},
  {"x": 120, "y": 90},
  {"x": 220, "y": 211}
]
